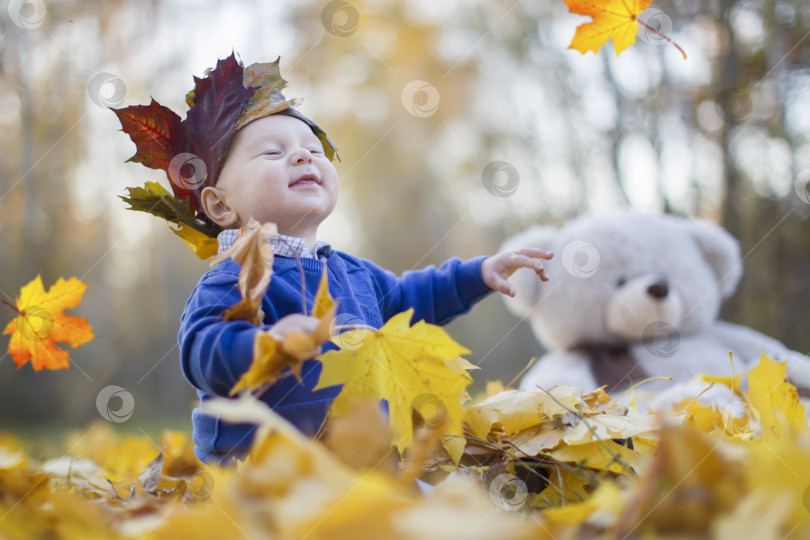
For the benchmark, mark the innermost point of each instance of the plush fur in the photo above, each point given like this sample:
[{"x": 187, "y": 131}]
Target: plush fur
[{"x": 634, "y": 296}]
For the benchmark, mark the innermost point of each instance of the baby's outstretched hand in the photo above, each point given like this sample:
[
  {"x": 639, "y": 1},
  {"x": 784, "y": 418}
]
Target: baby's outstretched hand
[
  {"x": 296, "y": 323},
  {"x": 496, "y": 269}
]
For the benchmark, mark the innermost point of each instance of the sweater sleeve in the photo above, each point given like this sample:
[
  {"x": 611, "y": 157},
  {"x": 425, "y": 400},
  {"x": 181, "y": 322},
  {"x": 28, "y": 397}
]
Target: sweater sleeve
[
  {"x": 438, "y": 295},
  {"x": 214, "y": 352}
]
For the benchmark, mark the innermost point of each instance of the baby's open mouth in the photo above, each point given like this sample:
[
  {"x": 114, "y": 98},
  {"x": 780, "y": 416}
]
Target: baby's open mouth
[{"x": 306, "y": 180}]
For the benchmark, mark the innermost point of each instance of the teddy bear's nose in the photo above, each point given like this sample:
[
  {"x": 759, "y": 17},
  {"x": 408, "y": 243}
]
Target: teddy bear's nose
[{"x": 659, "y": 289}]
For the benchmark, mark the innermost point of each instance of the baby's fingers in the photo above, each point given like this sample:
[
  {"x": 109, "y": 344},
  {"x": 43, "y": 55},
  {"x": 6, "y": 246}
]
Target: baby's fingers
[
  {"x": 502, "y": 285},
  {"x": 526, "y": 261},
  {"x": 296, "y": 323},
  {"x": 536, "y": 253}
]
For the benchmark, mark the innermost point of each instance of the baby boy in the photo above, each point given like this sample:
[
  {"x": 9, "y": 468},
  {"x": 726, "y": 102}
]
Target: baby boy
[{"x": 277, "y": 168}]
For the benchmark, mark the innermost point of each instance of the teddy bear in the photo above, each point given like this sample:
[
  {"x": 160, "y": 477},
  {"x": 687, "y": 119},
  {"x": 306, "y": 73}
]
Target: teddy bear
[{"x": 636, "y": 296}]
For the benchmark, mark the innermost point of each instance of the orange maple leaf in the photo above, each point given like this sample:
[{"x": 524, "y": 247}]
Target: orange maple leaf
[{"x": 41, "y": 322}]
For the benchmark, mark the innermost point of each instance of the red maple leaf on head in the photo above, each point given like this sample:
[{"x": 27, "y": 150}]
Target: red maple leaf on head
[{"x": 190, "y": 151}]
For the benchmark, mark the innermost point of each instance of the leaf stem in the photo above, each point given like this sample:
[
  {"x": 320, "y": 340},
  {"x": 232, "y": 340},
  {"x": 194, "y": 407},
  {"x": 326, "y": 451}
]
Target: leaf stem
[
  {"x": 657, "y": 33},
  {"x": 9, "y": 304},
  {"x": 522, "y": 372}
]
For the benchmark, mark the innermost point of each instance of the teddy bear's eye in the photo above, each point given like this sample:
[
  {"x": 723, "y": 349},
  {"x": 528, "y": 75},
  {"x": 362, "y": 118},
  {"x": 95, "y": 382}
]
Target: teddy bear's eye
[{"x": 621, "y": 281}]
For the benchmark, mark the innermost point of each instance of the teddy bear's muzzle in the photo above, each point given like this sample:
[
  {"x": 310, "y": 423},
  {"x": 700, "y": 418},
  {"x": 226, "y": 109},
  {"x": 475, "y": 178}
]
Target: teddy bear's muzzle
[{"x": 640, "y": 304}]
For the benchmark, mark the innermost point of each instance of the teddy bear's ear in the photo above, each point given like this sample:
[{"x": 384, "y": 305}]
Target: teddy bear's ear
[
  {"x": 527, "y": 284},
  {"x": 722, "y": 252}
]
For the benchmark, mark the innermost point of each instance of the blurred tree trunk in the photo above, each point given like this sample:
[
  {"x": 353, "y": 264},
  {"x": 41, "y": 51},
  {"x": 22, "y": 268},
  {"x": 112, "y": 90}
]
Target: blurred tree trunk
[{"x": 728, "y": 80}]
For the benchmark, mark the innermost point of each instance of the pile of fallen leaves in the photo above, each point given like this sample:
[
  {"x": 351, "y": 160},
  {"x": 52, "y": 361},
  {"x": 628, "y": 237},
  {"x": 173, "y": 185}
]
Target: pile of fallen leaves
[{"x": 558, "y": 463}]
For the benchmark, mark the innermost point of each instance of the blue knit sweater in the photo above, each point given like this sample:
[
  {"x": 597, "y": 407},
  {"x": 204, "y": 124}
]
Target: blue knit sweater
[{"x": 214, "y": 352}]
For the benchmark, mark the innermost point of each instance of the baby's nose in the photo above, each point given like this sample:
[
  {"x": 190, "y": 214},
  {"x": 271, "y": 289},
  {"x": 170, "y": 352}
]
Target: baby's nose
[{"x": 302, "y": 156}]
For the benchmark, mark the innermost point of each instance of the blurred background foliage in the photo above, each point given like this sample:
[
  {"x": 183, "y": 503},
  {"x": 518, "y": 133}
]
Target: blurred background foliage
[{"x": 724, "y": 135}]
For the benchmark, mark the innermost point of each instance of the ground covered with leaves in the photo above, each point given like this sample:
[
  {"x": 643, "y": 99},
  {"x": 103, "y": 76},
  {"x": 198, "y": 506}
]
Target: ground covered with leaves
[{"x": 563, "y": 463}]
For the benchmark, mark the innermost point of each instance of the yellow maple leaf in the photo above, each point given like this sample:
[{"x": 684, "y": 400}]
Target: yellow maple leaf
[
  {"x": 251, "y": 250},
  {"x": 511, "y": 411},
  {"x": 271, "y": 353},
  {"x": 775, "y": 401},
  {"x": 616, "y": 20},
  {"x": 406, "y": 365},
  {"x": 777, "y": 468},
  {"x": 201, "y": 244},
  {"x": 693, "y": 478},
  {"x": 41, "y": 322},
  {"x": 606, "y": 499},
  {"x": 612, "y": 19},
  {"x": 603, "y": 455}
]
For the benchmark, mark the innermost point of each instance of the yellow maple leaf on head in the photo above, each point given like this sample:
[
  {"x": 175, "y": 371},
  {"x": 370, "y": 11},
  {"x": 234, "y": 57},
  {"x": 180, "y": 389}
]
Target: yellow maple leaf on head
[
  {"x": 41, "y": 322},
  {"x": 414, "y": 368}
]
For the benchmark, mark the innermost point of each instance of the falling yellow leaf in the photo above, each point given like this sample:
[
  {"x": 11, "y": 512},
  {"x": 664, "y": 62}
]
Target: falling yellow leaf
[
  {"x": 616, "y": 20},
  {"x": 406, "y": 365},
  {"x": 612, "y": 19}
]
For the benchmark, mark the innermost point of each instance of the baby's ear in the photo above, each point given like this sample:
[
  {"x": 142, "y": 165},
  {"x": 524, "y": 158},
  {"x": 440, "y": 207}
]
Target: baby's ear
[
  {"x": 216, "y": 207},
  {"x": 722, "y": 252},
  {"x": 528, "y": 286}
]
